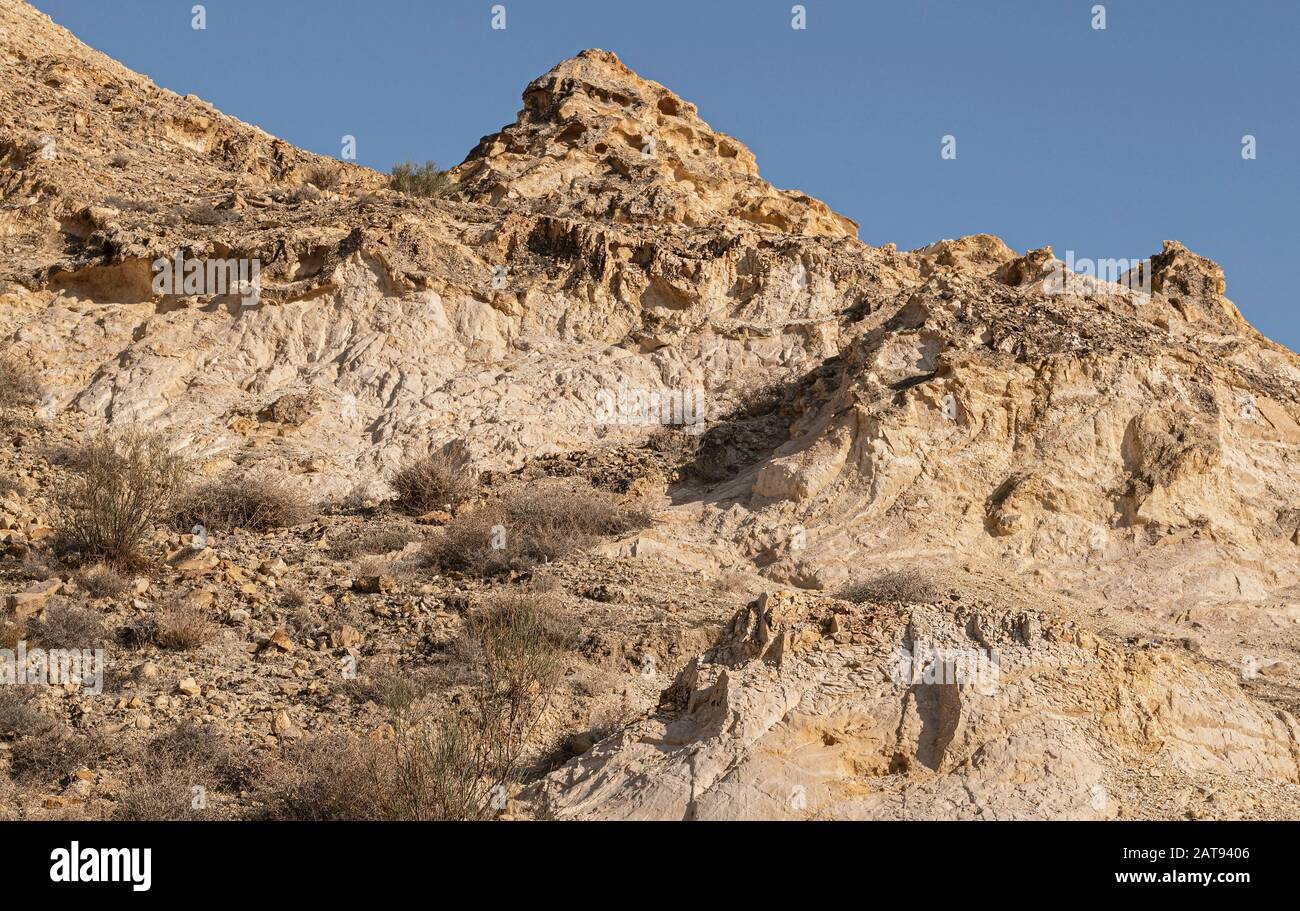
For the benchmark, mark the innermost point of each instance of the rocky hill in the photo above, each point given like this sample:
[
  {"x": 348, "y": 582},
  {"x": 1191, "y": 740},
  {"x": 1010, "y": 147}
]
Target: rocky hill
[{"x": 860, "y": 469}]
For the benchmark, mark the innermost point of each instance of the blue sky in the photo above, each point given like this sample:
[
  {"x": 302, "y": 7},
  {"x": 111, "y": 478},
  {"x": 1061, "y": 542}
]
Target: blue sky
[{"x": 1103, "y": 142}]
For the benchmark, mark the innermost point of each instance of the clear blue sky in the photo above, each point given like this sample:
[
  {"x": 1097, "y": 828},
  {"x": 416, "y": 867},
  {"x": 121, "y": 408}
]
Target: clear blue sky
[{"x": 1100, "y": 142}]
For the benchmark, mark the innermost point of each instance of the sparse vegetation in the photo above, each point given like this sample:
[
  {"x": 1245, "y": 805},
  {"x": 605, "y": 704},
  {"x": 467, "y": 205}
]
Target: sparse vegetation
[
  {"x": 530, "y": 524},
  {"x": 19, "y": 386},
  {"x": 54, "y": 753},
  {"x": 453, "y": 766},
  {"x": 907, "y": 586},
  {"x": 326, "y": 779},
  {"x": 373, "y": 541},
  {"x": 252, "y": 503},
  {"x": 11, "y": 634},
  {"x": 123, "y": 486},
  {"x": 420, "y": 179}
]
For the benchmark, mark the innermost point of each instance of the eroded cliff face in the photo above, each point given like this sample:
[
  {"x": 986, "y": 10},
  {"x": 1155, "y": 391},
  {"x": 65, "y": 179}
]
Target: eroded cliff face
[{"x": 1121, "y": 463}]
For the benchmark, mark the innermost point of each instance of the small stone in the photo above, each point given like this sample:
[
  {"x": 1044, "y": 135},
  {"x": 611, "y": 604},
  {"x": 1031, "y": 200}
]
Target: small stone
[
  {"x": 276, "y": 567},
  {"x": 374, "y": 585},
  {"x": 282, "y": 725},
  {"x": 188, "y": 686},
  {"x": 280, "y": 640},
  {"x": 26, "y": 604},
  {"x": 146, "y": 671},
  {"x": 346, "y": 637}
]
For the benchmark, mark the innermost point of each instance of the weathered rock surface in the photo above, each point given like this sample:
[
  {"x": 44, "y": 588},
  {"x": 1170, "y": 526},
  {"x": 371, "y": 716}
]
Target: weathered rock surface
[
  {"x": 1103, "y": 480},
  {"x": 923, "y": 713}
]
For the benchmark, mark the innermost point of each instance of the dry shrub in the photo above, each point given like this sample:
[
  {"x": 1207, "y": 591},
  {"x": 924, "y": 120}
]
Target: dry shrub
[
  {"x": 166, "y": 770},
  {"x": 907, "y": 586},
  {"x": 123, "y": 485},
  {"x": 11, "y": 634},
  {"x": 54, "y": 754},
  {"x": 326, "y": 779},
  {"x": 18, "y": 385},
  {"x": 207, "y": 214},
  {"x": 323, "y": 176},
  {"x": 19, "y": 716},
  {"x": 530, "y": 524},
  {"x": 253, "y": 503},
  {"x": 387, "y": 684},
  {"x": 67, "y": 626},
  {"x": 182, "y": 627},
  {"x": 179, "y": 626},
  {"x": 432, "y": 482},
  {"x": 419, "y": 179},
  {"x": 100, "y": 581},
  {"x": 164, "y": 795}
]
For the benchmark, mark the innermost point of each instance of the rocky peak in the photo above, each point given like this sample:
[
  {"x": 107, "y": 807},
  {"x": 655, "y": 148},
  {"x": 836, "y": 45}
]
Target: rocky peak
[{"x": 595, "y": 140}]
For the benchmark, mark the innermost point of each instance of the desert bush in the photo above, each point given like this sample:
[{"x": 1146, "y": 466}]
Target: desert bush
[
  {"x": 454, "y": 767},
  {"x": 190, "y": 745},
  {"x": 183, "y": 627},
  {"x": 165, "y": 771},
  {"x": 431, "y": 482},
  {"x": 305, "y": 193},
  {"x": 18, "y": 385},
  {"x": 122, "y": 486},
  {"x": 100, "y": 581},
  {"x": 907, "y": 586},
  {"x": 395, "y": 688},
  {"x": 323, "y": 176},
  {"x": 19, "y": 716},
  {"x": 419, "y": 179},
  {"x": 326, "y": 779},
  {"x": 530, "y": 524},
  {"x": 11, "y": 634},
  {"x": 130, "y": 205},
  {"x": 54, "y": 754},
  {"x": 164, "y": 795},
  {"x": 178, "y": 626},
  {"x": 119, "y": 160},
  {"x": 67, "y": 625},
  {"x": 207, "y": 214},
  {"x": 253, "y": 503}
]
